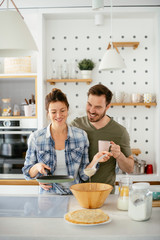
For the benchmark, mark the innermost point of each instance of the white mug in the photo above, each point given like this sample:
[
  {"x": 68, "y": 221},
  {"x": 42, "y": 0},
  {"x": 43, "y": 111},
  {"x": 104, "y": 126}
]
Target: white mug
[
  {"x": 119, "y": 96},
  {"x": 103, "y": 145},
  {"x": 127, "y": 98},
  {"x": 147, "y": 97},
  {"x": 136, "y": 97}
]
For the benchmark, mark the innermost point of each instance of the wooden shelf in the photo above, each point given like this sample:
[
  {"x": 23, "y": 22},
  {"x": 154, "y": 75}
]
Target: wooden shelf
[
  {"x": 18, "y": 182},
  {"x": 17, "y": 117},
  {"x": 19, "y": 75},
  {"x": 53, "y": 81},
  {"x": 126, "y": 44},
  {"x": 148, "y": 105},
  {"x": 123, "y": 44},
  {"x": 156, "y": 203}
]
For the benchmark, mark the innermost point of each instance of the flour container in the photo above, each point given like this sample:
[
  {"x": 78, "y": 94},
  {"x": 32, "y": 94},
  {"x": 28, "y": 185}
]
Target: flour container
[{"x": 140, "y": 202}]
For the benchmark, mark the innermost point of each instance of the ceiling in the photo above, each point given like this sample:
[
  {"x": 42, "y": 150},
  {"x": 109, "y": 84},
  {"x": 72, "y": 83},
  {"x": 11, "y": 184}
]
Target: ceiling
[{"x": 42, "y": 4}]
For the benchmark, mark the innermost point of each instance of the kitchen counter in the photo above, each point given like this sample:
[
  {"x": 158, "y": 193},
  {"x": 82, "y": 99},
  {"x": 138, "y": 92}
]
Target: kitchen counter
[
  {"x": 138, "y": 177},
  {"x": 34, "y": 220}
]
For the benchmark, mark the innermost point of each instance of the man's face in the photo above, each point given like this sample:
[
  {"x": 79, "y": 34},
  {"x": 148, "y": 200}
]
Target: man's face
[{"x": 96, "y": 108}]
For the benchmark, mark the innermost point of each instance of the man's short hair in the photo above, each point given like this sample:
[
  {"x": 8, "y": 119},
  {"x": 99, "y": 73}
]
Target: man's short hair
[{"x": 100, "y": 90}]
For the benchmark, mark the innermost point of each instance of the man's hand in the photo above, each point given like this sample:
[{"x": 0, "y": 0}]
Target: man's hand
[
  {"x": 126, "y": 164},
  {"x": 115, "y": 149}
]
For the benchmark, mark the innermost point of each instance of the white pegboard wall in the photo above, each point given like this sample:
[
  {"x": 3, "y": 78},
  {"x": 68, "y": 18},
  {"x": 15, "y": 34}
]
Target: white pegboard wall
[{"x": 74, "y": 39}]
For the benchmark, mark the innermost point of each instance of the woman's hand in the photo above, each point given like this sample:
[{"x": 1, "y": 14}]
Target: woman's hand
[
  {"x": 38, "y": 168},
  {"x": 98, "y": 155},
  {"x": 105, "y": 158},
  {"x": 45, "y": 186},
  {"x": 41, "y": 168}
]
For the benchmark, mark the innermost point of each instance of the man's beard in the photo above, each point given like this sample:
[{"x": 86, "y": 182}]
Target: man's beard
[{"x": 95, "y": 119}]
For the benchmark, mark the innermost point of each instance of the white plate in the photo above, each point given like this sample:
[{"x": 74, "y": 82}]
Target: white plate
[{"x": 87, "y": 225}]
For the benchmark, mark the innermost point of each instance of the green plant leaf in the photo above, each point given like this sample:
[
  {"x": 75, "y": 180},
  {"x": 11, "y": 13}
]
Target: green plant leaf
[{"x": 86, "y": 64}]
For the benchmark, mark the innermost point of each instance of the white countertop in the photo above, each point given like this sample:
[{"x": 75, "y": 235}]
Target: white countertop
[{"x": 120, "y": 228}]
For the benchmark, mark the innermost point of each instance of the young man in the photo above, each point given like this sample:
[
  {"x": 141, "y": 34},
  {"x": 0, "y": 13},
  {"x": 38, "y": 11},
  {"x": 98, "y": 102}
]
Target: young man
[{"x": 100, "y": 126}]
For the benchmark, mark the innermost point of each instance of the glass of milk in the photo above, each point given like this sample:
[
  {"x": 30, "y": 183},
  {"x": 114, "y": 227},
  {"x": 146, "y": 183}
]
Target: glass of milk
[{"x": 125, "y": 185}]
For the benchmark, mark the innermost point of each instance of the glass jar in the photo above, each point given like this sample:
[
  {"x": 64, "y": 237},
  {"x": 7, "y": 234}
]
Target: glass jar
[
  {"x": 16, "y": 110},
  {"x": 6, "y": 107},
  {"x": 140, "y": 202},
  {"x": 72, "y": 70},
  {"x": 123, "y": 196},
  {"x": 65, "y": 71},
  {"x": 54, "y": 70}
]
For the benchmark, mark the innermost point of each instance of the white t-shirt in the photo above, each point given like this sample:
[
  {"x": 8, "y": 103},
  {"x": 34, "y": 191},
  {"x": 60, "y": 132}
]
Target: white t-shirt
[{"x": 61, "y": 168}]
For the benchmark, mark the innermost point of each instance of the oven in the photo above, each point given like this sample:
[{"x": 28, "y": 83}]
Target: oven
[{"x": 14, "y": 136}]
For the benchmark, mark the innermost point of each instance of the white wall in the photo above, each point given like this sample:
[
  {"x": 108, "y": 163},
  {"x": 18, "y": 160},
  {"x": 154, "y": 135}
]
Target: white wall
[{"x": 70, "y": 39}]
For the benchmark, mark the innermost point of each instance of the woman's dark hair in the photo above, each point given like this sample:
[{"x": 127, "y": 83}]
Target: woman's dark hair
[
  {"x": 56, "y": 95},
  {"x": 100, "y": 90}
]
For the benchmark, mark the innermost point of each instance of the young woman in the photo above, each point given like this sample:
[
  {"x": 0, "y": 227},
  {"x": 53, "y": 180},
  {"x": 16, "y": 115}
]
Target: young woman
[{"x": 60, "y": 148}]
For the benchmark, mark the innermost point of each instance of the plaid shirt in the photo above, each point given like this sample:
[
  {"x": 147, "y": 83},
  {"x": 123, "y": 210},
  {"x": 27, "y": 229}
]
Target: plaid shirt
[{"x": 41, "y": 148}]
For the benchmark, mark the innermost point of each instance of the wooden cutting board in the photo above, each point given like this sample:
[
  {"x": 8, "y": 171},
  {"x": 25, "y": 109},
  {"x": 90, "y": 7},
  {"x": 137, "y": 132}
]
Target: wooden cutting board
[{"x": 156, "y": 203}]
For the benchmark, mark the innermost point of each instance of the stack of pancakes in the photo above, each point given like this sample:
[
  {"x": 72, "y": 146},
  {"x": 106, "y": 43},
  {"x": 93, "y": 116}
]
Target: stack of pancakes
[{"x": 87, "y": 216}]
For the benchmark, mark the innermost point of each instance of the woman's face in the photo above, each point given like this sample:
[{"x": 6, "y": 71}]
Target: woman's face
[{"x": 58, "y": 112}]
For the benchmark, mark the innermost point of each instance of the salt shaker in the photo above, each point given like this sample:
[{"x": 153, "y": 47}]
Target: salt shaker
[
  {"x": 123, "y": 197},
  {"x": 140, "y": 202}
]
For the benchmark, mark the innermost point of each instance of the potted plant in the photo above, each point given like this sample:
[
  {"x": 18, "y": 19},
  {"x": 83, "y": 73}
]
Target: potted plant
[{"x": 86, "y": 66}]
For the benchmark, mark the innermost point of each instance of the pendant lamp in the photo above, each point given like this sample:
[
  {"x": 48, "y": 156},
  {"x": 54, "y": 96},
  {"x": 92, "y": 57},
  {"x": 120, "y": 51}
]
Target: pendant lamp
[
  {"x": 112, "y": 59},
  {"x": 15, "y": 37}
]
